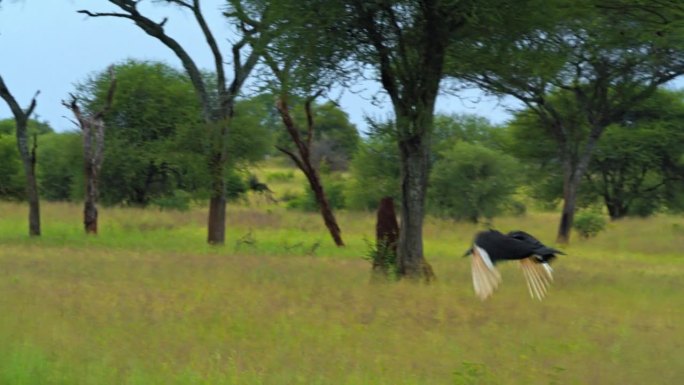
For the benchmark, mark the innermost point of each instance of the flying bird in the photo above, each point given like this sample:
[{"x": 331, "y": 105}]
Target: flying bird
[{"x": 491, "y": 247}]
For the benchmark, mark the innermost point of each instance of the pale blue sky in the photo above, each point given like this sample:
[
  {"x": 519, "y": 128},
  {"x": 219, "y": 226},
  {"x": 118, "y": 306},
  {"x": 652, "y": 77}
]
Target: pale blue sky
[{"x": 47, "y": 46}]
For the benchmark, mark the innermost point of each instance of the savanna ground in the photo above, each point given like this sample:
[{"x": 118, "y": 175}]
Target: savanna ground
[{"x": 147, "y": 302}]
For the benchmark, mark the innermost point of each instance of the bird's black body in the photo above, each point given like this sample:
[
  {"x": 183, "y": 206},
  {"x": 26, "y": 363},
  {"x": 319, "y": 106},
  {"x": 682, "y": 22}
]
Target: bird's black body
[
  {"x": 493, "y": 246},
  {"x": 545, "y": 253}
]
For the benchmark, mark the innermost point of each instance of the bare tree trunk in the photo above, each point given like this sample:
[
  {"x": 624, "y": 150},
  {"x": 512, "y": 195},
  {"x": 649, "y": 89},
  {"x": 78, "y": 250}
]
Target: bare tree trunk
[
  {"x": 32, "y": 188},
  {"x": 93, "y": 130},
  {"x": 303, "y": 161},
  {"x": 28, "y": 158}
]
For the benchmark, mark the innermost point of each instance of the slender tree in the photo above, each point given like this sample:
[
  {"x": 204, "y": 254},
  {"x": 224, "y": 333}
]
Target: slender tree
[
  {"x": 28, "y": 156},
  {"x": 217, "y": 111},
  {"x": 93, "y": 128},
  {"x": 302, "y": 158}
]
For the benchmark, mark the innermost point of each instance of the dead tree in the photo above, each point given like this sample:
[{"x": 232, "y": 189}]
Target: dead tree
[
  {"x": 92, "y": 126},
  {"x": 28, "y": 157},
  {"x": 303, "y": 161},
  {"x": 386, "y": 239}
]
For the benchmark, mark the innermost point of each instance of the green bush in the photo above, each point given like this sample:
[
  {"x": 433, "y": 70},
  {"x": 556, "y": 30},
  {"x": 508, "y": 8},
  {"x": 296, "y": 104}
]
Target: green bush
[
  {"x": 178, "y": 200},
  {"x": 589, "y": 223},
  {"x": 374, "y": 173},
  {"x": 12, "y": 184},
  {"x": 469, "y": 182},
  {"x": 334, "y": 191}
]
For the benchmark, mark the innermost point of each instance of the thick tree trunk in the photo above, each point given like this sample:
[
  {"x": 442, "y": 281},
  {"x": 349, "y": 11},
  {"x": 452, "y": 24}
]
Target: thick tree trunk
[
  {"x": 216, "y": 226},
  {"x": 217, "y": 220},
  {"x": 414, "y": 152}
]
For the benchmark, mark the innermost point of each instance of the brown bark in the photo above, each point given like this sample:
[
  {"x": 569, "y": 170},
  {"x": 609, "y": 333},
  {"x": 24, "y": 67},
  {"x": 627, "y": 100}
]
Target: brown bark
[
  {"x": 303, "y": 161},
  {"x": 93, "y": 129},
  {"x": 28, "y": 158},
  {"x": 414, "y": 154}
]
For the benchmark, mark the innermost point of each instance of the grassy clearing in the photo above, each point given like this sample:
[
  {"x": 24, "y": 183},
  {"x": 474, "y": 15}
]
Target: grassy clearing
[{"x": 146, "y": 302}]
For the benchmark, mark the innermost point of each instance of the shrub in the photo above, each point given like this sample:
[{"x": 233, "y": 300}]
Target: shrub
[
  {"x": 470, "y": 181},
  {"x": 374, "y": 173},
  {"x": 334, "y": 191},
  {"x": 178, "y": 200},
  {"x": 589, "y": 223}
]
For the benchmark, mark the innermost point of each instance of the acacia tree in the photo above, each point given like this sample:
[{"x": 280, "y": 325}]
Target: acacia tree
[
  {"x": 217, "y": 110},
  {"x": 93, "y": 127},
  {"x": 605, "y": 62},
  {"x": 28, "y": 157},
  {"x": 404, "y": 45}
]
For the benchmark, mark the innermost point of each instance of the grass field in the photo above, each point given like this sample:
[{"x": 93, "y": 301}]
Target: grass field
[{"x": 147, "y": 302}]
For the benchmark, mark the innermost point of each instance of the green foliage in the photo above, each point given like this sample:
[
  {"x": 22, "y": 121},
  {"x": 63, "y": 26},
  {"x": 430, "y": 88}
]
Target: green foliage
[
  {"x": 384, "y": 259},
  {"x": 334, "y": 192},
  {"x": 280, "y": 176},
  {"x": 60, "y": 166},
  {"x": 470, "y": 182},
  {"x": 12, "y": 185},
  {"x": 636, "y": 162},
  {"x": 178, "y": 200},
  {"x": 34, "y": 127},
  {"x": 589, "y": 223},
  {"x": 156, "y": 142},
  {"x": 374, "y": 173}
]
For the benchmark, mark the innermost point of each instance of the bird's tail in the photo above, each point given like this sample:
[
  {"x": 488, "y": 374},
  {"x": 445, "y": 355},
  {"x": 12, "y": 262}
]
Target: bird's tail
[
  {"x": 485, "y": 276},
  {"x": 538, "y": 277}
]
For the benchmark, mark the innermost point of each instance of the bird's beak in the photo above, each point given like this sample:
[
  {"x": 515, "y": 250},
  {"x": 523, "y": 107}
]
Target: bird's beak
[{"x": 467, "y": 253}]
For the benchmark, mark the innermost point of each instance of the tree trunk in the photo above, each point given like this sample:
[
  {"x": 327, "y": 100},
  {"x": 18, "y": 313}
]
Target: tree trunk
[
  {"x": 324, "y": 205},
  {"x": 216, "y": 226},
  {"x": 90, "y": 204},
  {"x": 303, "y": 162},
  {"x": 414, "y": 152},
  {"x": 28, "y": 158},
  {"x": 29, "y": 161},
  {"x": 571, "y": 182},
  {"x": 569, "y": 199}
]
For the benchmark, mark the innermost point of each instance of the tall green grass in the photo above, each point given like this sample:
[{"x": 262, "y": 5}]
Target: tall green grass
[{"x": 146, "y": 302}]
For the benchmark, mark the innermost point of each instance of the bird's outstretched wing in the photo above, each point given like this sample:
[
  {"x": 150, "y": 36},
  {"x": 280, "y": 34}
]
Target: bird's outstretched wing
[
  {"x": 485, "y": 276},
  {"x": 538, "y": 276}
]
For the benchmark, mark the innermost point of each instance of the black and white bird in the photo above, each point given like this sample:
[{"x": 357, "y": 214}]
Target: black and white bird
[{"x": 491, "y": 247}]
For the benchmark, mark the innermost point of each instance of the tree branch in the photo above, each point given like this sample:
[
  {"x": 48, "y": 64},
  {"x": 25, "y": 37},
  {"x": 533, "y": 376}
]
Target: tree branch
[{"x": 156, "y": 30}]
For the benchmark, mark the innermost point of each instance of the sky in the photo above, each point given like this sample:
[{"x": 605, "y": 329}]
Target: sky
[{"x": 46, "y": 45}]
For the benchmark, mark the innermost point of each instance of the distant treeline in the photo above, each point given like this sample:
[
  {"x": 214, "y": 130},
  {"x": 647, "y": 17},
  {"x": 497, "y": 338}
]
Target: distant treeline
[{"x": 155, "y": 147}]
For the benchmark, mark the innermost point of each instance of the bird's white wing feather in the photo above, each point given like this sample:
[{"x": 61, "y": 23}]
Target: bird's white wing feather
[
  {"x": 538, "y": 277},
  {"x": 485, "y": 276}
]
